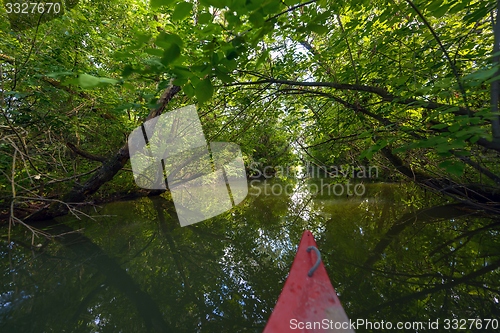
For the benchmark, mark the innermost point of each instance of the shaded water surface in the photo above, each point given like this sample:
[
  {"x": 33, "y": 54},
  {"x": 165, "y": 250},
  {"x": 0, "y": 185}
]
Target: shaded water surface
[{"x": 395, "y": 254}]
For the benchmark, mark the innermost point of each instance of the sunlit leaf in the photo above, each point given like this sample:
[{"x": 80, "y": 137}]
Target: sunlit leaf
[
  {"x": 88, "y": 81},
  {"x": 181, "y": 11}
]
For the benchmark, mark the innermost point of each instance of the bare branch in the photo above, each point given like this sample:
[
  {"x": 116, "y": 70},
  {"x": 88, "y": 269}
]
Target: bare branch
[{"x": 85, "y": 154}]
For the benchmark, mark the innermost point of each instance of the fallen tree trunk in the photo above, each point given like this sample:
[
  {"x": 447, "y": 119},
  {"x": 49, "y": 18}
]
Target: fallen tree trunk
[
  {"x": 475, "y": 195},
  {"x": 105, "y": 173}
]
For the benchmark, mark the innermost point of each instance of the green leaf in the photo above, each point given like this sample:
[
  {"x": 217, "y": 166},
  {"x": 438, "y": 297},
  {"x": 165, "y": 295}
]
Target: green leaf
[
  {"x": 368, "y": 153},
  {"x": 458, "y": 144},
  {"x": 430, "y": 142},
  {"x": 106, "y": 80},
  {"x": 439, "y": 126},
  {"x": 272, "y": 7},
  {"x": 256, "y": 18},
  {"x": 182, "y": 72},
  {"x": 180, "y": 82},
  {"x": 455, "y": 168},
  {"x": 454, "y": 128},
  {"x": 214, "y": 3},
  {"x": 16, "y": 94},
  {"x": 182, "y": 10},
  {"x": 164, "y": 40},
  {"x": 170, "y": 54},
  {"x": 87, "y": 81},
  {"x": 154, "y": 64},
  {"x": 474, "y": 16},
  {"x": 188, "y": 90},
  {"x": 205, "y": 18},
  {"x": 318, "y": 28},
  {"x": 194, "y": 80},
  {"x": 480, "y": 76},
  {"x": 254, "y": 4},
  {"x": 440, "y": 11},
  {"x": 223, "y": 77},
  {"x": 155, "y": 52},
  {"x": 127, "y": 71},
  {"x": 231, "y": 54},
  {"x": 201, "y": 70},
  {"x": 450, "y": 109},
  {"x": 56, "y": 75},
  {"x": 204, "y": 90},
  {"x": 141, "y": 39},
  {"x": 159, "y": 3},
  {"x": 232, "y": 20},
  {"x": 163, "y": 85},
  {"x": 239, "y": 6},
  {"x": 262, "y": 58},
  {"x": 474, "y": 138},
  {"x": 458, "y": 7},
  {"x": 214, "y": 59},
  {"x": 231, "y": 65}
]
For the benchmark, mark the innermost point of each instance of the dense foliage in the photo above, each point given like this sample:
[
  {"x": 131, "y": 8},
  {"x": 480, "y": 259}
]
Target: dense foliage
[
  {"x": 411, "y": 87},
  {"x": 408, "y": 86}
]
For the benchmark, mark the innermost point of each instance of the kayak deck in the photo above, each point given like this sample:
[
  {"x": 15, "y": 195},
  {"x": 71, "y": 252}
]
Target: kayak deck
[{"x": 308, "y": 301}]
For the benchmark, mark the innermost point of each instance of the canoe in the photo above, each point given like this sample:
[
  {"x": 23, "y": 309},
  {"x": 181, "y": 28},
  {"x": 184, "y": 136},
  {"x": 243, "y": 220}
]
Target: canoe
[{"x": 308, "y": 302}]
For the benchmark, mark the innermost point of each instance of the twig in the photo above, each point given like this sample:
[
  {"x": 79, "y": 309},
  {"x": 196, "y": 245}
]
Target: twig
[
  {"x": 13, "y": 187},
  {"x": 447, "y": 56},
  {"x": 68, "y": 205}
]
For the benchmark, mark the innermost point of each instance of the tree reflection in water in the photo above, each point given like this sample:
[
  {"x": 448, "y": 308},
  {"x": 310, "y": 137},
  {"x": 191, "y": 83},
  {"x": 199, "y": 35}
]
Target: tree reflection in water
[{"x": 394, "y": 254}]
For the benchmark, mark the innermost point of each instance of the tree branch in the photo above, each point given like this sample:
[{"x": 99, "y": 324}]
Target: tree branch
[
  {"x": 105, "y": 173},
  {"x": 400, "y": 166},
  {"x": 438, "y": 287},
  {"x": 445, "y": 52},
  {"x": 495, "y": 85},
  {"x": 85, "y": 154},
  {"x": 383, "y": 93}
]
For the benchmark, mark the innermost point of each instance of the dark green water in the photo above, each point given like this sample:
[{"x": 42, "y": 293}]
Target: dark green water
[{"x": 395, "y": 254}]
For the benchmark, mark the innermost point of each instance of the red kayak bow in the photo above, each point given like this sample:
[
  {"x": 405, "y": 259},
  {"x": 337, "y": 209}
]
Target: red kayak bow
[{"x": 308, "y": 302}]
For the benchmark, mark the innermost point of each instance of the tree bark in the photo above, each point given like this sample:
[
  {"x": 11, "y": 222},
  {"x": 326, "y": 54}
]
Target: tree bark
[{"x": 495, "y": 85}]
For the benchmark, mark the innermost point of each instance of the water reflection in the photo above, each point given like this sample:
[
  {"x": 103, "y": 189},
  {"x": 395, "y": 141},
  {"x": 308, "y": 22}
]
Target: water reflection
[{"x": 393, "y": 254}]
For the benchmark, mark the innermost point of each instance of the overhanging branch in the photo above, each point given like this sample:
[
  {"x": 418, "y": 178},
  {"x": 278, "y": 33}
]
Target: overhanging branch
[
  {"x": 381, "y": 92},
  {"x": 106, "y": 172},
  {"x": 85, "y": 154}
]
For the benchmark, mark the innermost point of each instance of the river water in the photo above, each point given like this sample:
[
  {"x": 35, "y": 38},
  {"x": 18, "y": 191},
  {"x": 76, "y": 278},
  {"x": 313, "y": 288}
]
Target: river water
[{"x": 395, "y": 255}]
